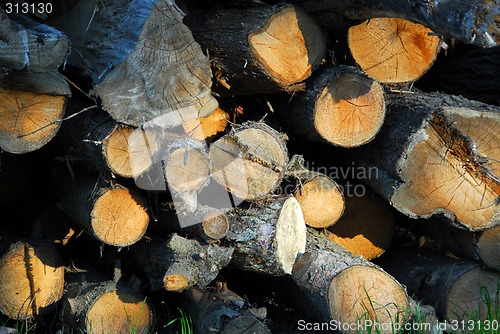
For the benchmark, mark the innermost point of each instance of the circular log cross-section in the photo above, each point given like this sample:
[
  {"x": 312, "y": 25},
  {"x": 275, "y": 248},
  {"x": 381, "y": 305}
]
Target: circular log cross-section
[
  {"x": 393, "y": 50},
  {"x": 31, "y": 280},
  {"x": 489, "y": 247}
]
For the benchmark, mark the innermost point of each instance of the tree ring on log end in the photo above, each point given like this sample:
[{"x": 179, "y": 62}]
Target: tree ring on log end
[
  {"x": 175, "y": 282},
  {"x": 215, "y": 225},
  {"x": 489, "y": 247}
]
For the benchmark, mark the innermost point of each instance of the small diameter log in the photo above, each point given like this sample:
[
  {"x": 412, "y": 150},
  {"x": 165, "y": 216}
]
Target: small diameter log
[
  {"x": 31, "y": 279},
  {"x": 206, "y": 127},
  {"x": 93, "y": 304},
  {"x": 31, "y": 108},
  {"x": 250, "y": 161},
  {"x": 392, "y": 50},
  {"x": 267, "y": 239},
  {"x": 111, "y": 213},
  {"x": 472, "y": 22},
  {"x": 366, "y": 228},
  {"x": 455, "y": 288},
  {"x": 342, "y": 106},
  {"x": 176, "y": 264},
  {"x": 316, "y": 190},
  {"x": 223, "y": 311},
  {"x": 438, "y": 154},
  {"x": 340, "y": 287},
  {"x": 260, "y": 49}
]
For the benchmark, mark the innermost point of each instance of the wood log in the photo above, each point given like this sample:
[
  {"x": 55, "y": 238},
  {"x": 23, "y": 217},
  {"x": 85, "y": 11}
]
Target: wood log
[
  {"x": 366, "y": 228},
  {"x": 111, "y": 213},
  {"x": 316, "y": 190},
  {"x": 456, "y": 288},
  {"x": 267, "y": 239},
  {"x": 340, "y": 287},
  {"x": 392, "y": 50},
  {"x": 29, "y": 45},
  {"x": 31, "y": 279},
  {"x": 177, "y": 264},
  {"x": 472, "y": 22},
  {"x": 250, "y": 161},
  {"x": 32, "y": 106},
  {"x": 260, "y": 49},
  {"x": 342, "y": 107},
  {"x": 222, "y": 310},
  {"x": 206, "y": 127},
  {"x": 94, "y": 304},
  {"x": 436, "y": 154}
]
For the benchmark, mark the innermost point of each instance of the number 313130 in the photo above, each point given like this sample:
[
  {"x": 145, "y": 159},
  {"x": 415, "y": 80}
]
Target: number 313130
[{"x": 25, "y": 8}]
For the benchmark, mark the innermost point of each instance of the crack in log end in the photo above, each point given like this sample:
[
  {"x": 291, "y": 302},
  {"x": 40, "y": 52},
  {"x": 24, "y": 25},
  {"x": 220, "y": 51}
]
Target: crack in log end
[{"x": 29, "y": 275}]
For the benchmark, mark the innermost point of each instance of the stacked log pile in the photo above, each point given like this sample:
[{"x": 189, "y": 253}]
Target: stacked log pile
[{"x": 152, "y": 151}]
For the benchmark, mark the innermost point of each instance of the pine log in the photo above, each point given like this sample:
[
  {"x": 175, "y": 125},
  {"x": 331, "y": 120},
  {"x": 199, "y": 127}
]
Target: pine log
[
  {"x": 111, "y": 213},
  {"x": 316, "y": 190},
  {"x": 438, "y": 154},
  {"x": 342, "y": 106},
  {"x": 473, "y": 22},
  {"x": 177, "y": 264},
  {"x": 223, "y": 311},
  {"x": 455, "y": 288},
  {"x": 93, "y": 304},
  {"x": 267, "y": 239},
  {"x": 392, "y": 50},
  {"x": 31, "y": 108},
  {"x": 366, "y": 228},
  {"x": 31, "y": 279},
  {"x": 250, "y": 161},
  {"x": 28, "y": 45},
  {"x": 206, "y": 127},
  {"x": 260, "y": 49},
  {"x": 340, "y": 287}
]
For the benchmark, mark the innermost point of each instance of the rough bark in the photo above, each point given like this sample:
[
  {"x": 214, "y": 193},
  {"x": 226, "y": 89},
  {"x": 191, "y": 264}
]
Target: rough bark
[
  {"x": 456, "y": 288},
  {"x": 341, "y": 287},
  {"x": 267, "y": 239},
  {"x": 436, "y": 154},
  {"x": 32, "y": 106},
  {"x": 474, "y": 22},
  {"x": 342, "y": 107}
]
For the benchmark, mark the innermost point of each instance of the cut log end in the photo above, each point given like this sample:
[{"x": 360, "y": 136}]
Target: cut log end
[
  {"x": 350, "y": 111},
  {"x": 206, "y": 127},
  {"x": 288, "y": 46},
  {"x": 119, "y": 217},
  {"x": 321, "y": 193},
  {"x": 489, "y": 248},
  {"x": 118, "y": 312},
  {"x": 393, "y": 50},
  {"x": 176, "y": 282},
  {"x": 215, "y": 225},
  {"x": 187, "y": 169},
  {"x": 363, "y": 293}
]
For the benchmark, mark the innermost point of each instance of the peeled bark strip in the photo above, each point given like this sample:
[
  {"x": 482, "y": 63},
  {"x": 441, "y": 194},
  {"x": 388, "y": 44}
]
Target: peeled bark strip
[
  {"x": 223, "y": 311},
  {"x": 347, "y": 289},
  {"x": 366, "y": 228},
  {"x": 260, "y": 49},
  {"x": 342, "y": 106},
  {"x": 113, "y": 214},
  {"x": 31, "y": 108},
  {"x": 438, "y": 154},
  {"x": 206, "y": 127},
  {"x": 31, "y": 279},
  {"x": 392, "y": 50},
  {"x": 250, "y": 161},
  {"x": 28, "y": 45},
  {"x": 93, "y": 304},
  {"x": 177, "y": 264},
  {"x": 456, "y": 288},
  {"x": 267, "y": 239},
  {"x": 473, "y": 22}
]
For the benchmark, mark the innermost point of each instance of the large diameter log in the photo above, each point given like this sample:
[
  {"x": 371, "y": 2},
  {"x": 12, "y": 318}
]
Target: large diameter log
[
  {"x": 260, "y": 49},
  {"x": 341, "y": 288},
  {"x": 438, "y": 154},
  {"x": 31, "y": 108},
  {"x": 250, "y": 161},
  {"x": 176, "y": 264},
  {"x": 342, "y": 106},
  {"x": 31, "y": 279},
  {"x": 392, "y": 50},
  {"x": 267, "y": 239},
  {"x": 223, "y": 311},
  {"x": 473, "y": 22},
  {"x": 456, "y": 288}
]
